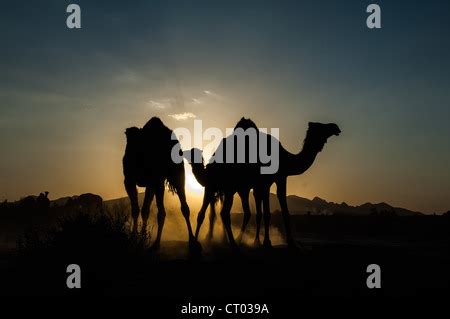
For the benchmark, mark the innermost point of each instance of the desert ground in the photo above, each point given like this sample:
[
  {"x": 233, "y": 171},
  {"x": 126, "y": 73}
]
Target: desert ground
[{"x": 412, "y": 252}]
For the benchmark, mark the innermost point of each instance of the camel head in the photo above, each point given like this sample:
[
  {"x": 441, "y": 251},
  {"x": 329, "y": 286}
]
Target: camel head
[
  {"x": 319, "y": 133},
  {"x": 195, "y": 158}
]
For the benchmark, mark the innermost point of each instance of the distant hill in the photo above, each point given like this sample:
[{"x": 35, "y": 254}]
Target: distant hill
[
  {"x": 297, "y": 205},
  {"x": 319, "y": 206}
]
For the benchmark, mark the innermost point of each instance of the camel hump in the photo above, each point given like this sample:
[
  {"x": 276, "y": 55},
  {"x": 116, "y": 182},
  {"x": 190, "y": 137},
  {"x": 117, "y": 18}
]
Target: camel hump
[
  {"x": 158, "y": 135},
  {"x": 154, "y": 123},
  {"x": 245, "y": 123}
]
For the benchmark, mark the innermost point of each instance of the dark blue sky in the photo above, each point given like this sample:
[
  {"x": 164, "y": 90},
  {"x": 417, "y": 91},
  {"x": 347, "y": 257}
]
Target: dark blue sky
[{"x": 67, "y": 95}]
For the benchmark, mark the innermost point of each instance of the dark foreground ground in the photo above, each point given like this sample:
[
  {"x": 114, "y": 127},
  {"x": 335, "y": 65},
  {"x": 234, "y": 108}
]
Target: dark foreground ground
[{"x": 413, "y": 253}]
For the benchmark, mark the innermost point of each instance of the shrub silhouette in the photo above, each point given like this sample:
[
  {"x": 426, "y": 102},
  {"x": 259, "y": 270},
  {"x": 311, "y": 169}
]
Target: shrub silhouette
[{"x": 101, "y": 245}]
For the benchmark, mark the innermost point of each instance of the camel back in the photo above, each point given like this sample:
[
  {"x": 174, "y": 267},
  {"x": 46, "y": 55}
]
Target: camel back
[
  {"x": 233, "y": 175},
  {"x": 148, "y": 155}
]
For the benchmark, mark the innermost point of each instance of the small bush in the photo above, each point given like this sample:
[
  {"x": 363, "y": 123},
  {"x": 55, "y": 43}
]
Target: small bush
[{"x": 102, "y": 245}]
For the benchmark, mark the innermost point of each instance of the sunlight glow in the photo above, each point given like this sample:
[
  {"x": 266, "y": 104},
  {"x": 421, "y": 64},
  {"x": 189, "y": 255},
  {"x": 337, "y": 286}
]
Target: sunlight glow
[{"x": 192, "y": 185}]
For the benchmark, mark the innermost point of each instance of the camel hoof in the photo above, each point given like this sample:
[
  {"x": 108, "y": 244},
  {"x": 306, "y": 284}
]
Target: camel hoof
[
  {"x": 208, "y": 238},
  {"x": 156, "y": 245},
  {"x": 257, "y": 242},
  {"x": 267, "y": 243},
  {"x": 195, "y": 247},
  {"x": 235, "y": 248},
  {"x": 239, "y": 238}
]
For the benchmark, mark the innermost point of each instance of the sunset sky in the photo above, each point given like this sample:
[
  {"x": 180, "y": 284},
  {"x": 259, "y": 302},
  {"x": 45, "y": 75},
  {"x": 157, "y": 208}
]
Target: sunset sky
[{"x": 66, "y": 96}]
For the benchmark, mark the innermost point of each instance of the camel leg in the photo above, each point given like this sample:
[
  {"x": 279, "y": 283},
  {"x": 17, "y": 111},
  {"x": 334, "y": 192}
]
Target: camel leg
[
  {"x": 186, "y": 212},
  {"x": 281, "y": 194},
  {"x": 161, "y": 213},
  {"x": 194, "y": 245},
  {"x": 202, "y": 212},
  {"x": 212, "y": 220},
  {"x": 247, "y": 214},
  {"x": 258, "y": 202},
  {"x": 266, "y": 209},
  {"x": 149, "y": 194},
  {"x": 226, "y": 218},
  {"x": 223, "y": 236},
  {"x": 131, "y": 189}
]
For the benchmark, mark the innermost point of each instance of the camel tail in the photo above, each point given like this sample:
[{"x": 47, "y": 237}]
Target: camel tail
[
  {"x": 171, "y": 187},
  {"x": 218, "y": 196}
]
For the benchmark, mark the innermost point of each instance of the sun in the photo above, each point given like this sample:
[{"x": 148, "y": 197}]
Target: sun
[{"x": 192, "y": 185}]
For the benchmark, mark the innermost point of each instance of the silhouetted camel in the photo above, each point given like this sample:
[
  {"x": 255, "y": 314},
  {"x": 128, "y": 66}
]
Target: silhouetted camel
[
  {"x": 290, "y": 165},
  {"x": 216, "y": 183},
  {"x": 148, "y": 163},
  {"x": 231, "y": 178},
  {"x": 39, "y": 203},
  {"x": 43, "y": 202}
]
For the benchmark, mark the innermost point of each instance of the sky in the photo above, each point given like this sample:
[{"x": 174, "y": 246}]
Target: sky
[{"x": 67, "y": 95}]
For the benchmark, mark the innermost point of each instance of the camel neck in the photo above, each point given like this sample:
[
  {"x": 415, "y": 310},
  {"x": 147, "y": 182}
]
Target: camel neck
[{"x": 303, "y": 160}]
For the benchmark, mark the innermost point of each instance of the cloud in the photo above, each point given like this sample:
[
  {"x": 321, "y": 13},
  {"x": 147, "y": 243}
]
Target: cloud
[
  {"x": 183, "y": 116},
  {"x": 128, "y": 76},
  {"x": 206, "y": 97},
  {"x": 212, "y": 94},
  {"x": 197, "y": 101},
  {"x": 173, "y": 105},
  {"x": 161, "y": 104},
  {"x": 157, "y": 105}
]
